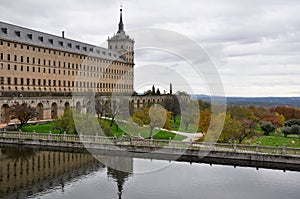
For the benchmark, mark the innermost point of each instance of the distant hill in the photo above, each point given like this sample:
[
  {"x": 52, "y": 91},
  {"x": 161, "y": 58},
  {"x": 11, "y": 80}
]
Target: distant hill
[{"x": 255, "y": 101}]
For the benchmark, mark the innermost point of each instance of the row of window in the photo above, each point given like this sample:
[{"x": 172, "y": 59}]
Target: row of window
[
  {"x": 68, "y": 65},
  {"x": 60, "y": 83},
  {"x": 128, "y": 76},
  {"x": 65, "y": 54}
]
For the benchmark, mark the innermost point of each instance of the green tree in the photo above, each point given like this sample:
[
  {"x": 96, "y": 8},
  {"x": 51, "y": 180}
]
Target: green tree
[
  {"x": 153, "y": 90},
  {"x": 157, "y": 91},
  {"x": 204, "y": 122},
  {"x": 86, "y": 124},
  {"x": 190, "y": 115},
  {"x": 267, "y": 127},
  {"x": 294, "y": 129},
  {"x": 158, "y": 117},
  {"x": 65, "y": 123},
  {"x": 171, "y": 103},
  {"x": 232, "y": 130}
]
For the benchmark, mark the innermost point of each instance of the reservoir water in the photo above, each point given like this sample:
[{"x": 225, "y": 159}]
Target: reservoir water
[{"x": 50, "y": 175}]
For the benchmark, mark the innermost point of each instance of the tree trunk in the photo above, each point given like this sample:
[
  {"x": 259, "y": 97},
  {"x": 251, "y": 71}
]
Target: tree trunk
[
  {"x": 112, "y": 121},
  {"x": 151, "y": 131}
]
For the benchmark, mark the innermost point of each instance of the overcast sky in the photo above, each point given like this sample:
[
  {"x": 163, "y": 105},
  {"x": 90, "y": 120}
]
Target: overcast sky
[{"x": 255, "y": 44}]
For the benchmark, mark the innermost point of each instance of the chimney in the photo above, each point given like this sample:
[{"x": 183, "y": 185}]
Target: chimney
[{"x": 63, "y": 34}]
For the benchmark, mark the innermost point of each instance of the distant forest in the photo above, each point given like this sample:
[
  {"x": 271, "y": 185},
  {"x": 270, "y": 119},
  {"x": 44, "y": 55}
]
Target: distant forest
[{"x": 270, "y": 102}]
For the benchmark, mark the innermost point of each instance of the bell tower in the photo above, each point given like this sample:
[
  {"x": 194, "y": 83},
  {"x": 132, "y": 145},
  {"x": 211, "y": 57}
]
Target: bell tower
[{"x": 122, "y": 43}]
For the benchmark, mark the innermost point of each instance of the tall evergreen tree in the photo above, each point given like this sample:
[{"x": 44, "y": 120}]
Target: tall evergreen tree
[
  {"x": 157, "y": 91},
  {"x": 153, "y": 90}
]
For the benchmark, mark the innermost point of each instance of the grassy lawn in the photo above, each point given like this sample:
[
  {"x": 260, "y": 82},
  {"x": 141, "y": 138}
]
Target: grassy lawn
[
  {"x": 274, "y": 139},
  {"x": 175, "y": 126},
  {"x": 278, "y": 141},
  {"x": 161, "y": 135},
  {"x": 41, "y": 128}
]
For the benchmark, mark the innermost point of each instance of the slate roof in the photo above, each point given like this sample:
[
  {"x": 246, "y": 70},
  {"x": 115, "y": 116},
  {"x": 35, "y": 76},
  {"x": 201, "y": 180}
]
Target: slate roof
[{"x": 37, "y": 38}]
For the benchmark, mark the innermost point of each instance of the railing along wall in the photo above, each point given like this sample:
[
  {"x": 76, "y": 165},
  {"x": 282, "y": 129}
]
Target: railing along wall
[{"x": 139, "y": 141}]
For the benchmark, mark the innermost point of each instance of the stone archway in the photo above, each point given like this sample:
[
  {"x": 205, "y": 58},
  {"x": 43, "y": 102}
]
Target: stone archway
[
  {"x": 67, "y": 106},
  {"x": 5, "y": 117},
  {"x": 40, "y": 111},
  {"x": 89, "y": 107},
  {"x": 78, "y": 107},
  {"x": 54, "y": 110},
  {"x": 138, "y": 104}
]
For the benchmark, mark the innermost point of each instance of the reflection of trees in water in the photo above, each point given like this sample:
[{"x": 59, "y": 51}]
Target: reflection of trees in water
[
  {"x": 120, "y": 177},
  {"x": 119, "y": 168}
]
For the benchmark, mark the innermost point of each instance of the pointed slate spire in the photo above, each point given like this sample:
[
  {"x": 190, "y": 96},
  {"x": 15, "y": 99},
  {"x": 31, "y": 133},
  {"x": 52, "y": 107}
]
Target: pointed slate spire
[{"x": 121, "y": 25}]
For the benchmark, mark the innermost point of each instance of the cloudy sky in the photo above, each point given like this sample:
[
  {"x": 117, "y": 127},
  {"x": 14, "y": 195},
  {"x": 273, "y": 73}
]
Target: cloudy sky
[{"x": 255, "y": 45}]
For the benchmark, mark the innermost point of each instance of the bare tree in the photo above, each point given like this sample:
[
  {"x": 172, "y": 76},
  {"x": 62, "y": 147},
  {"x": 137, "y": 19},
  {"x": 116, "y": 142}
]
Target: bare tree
[{"x": 22, "y": 112}]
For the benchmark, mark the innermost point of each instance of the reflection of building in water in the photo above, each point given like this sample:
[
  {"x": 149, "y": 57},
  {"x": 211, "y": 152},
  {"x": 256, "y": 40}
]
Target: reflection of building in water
[
  {"x": 25, "y": 172},
  {"x": 119, "y": 168}
]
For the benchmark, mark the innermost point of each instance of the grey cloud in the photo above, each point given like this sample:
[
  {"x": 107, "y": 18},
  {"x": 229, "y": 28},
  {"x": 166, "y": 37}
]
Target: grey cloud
[{"x": 254, "y": 44}]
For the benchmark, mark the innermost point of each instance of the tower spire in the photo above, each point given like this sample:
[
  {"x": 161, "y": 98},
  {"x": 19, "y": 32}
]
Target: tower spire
[{"x": 121, "y": 25}]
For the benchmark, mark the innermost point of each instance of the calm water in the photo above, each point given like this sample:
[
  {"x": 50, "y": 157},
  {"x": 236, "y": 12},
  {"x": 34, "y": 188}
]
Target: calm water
[{"x": 44, "y": 174}]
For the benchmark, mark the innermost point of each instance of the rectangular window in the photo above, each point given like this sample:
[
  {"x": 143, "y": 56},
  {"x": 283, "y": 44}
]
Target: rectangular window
[
  {"x": 8, "y": 66},
  {"x": 28, "y": 68},
  {"x": 16, "y": 67},
  {"x": 33, "y": 60},
  {"x": 16, "y": 81},
  {"x": 45, "y": 82},
  {"x": 28, "y": 81},
  {"x": 33, "y": 82},
  {"x": 49, "y": 82},
  {"x": 33, "y": 69},
  {"x": 39, "y": 82},
  {"x": 8, "y": 81},
  {"x": 22, "y": 81},
  {"x": 16, "y": 58},
  {"x": 1, "y": 56},
  {"x": 54, "y": 82},
  {"x": 1, "y": 80},
  {"x": 8, "y": 57},
  {"x": 22, "y": 68},
  {"x": 22, "y": 59},
  {"x": 27, "y": 60}
]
